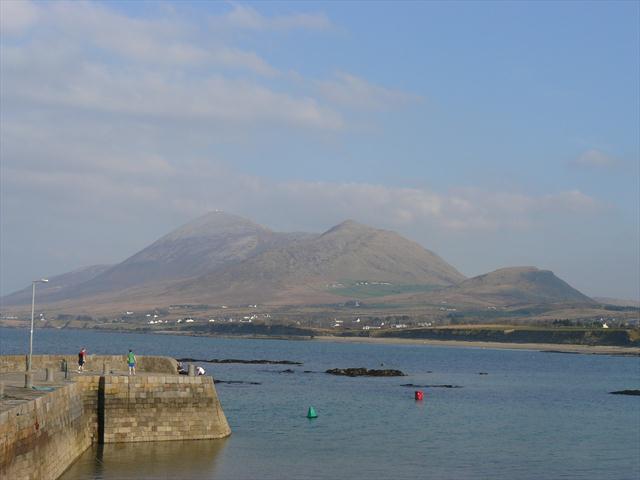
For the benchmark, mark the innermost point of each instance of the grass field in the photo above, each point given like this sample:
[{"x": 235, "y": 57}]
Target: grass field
[{"x": 360, "y": 290}]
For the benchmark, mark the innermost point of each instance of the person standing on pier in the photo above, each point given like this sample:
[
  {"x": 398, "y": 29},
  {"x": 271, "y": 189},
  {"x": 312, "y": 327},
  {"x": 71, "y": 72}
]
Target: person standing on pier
[
  {"x": 131, "y": 360},
  {"x": 82, "y": 359}
]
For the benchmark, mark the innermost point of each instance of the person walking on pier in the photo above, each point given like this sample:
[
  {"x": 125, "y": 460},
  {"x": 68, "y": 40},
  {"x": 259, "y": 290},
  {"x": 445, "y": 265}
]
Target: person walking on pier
[
  {"x": 82, "y": 359},
  {"x": 131, "y": 360}
]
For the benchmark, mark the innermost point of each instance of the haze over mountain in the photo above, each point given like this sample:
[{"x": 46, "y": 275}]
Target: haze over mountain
[{"x": 221, "y": 258}]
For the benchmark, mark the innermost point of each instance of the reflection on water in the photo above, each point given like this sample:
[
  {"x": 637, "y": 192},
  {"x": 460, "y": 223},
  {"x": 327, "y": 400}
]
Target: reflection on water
[{"x": 176, "y": 460}]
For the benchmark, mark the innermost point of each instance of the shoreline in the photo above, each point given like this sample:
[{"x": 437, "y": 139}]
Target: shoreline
[
  {"x": 540, "y": 347},
  {"x": 536, "y": 347},
  {"x": 565, "y": 348}
]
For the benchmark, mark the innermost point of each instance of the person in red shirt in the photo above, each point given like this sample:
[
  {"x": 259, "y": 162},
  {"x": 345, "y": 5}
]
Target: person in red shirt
[{"x": 82, "y": 359}]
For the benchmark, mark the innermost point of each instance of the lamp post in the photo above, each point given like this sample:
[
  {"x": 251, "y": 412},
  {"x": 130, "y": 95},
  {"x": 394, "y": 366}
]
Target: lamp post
[{"x": 33, "y": 305}]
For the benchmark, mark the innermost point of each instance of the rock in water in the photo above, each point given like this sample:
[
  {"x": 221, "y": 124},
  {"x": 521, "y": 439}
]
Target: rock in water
[
  {"x": 363, "y": 372},
  {"x": 626, "y": 392},
  {"x": 412, "y": 385}
]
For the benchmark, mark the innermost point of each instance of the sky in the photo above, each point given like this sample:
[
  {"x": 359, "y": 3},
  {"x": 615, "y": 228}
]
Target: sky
[{"x": 493, "y": 133}]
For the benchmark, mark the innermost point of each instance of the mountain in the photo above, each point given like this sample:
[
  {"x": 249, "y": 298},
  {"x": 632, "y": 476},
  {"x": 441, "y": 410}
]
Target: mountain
[
  {"x": 57, "y": 284},
  {"x": 300, "y": 271},
  {"x": 198, "y": 247},
  {"x": 513, "y": 286},
  {"x": 618, "y": 302},
  {"x": 226, "y": 259},
  {"x": 201, "y": 246}
]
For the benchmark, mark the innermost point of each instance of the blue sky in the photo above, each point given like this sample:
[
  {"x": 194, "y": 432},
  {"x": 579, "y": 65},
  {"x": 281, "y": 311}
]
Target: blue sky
[{"x": 494, "y": 133}]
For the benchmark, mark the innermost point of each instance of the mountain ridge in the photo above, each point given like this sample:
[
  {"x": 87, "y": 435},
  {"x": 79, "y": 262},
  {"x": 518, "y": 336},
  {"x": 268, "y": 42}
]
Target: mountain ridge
[
  {"x": 509, "y": 286},
  {"x": 348, "y": 250},
  {"x": 222, "y": 258}
]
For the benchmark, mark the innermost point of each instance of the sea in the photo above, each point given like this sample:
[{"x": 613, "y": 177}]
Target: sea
[{"x": 486, "y": 413}]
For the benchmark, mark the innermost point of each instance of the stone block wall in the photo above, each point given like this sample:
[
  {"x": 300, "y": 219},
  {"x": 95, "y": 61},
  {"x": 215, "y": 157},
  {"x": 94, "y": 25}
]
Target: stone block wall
[
  {"x": 89, "y": 392},
  {"x": 18, "y": 363},
  {"x": 153, "y": 408},
  {"x": 41, "y": 438}
]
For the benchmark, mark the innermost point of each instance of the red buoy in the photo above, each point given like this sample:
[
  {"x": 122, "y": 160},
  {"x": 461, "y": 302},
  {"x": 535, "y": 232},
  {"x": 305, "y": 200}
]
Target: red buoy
[{"x": 419, "y": 395}]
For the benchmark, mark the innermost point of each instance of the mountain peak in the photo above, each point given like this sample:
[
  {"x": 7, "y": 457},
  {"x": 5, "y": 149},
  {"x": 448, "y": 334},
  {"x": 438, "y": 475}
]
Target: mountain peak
[
  {"x": 524, "y": 285},
  {"x": 224, "y": 257},
  {"x": 349, "y": 226},
  {"x": 517, "y": 269},
  {"x": 213, "y": 223}
]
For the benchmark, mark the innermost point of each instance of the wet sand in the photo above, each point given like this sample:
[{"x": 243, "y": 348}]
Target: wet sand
[{"x": 541, "y": 347}]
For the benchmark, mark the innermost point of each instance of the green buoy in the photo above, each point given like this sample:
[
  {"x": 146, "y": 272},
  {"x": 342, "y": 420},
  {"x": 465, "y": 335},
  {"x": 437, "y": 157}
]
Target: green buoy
[{"x": 312, "y": 413}]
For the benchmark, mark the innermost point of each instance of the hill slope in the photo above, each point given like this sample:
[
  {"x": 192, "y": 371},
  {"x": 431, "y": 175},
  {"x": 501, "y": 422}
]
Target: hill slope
[
  {"x": 301, "y": 270},
  {"x": 203, "y": 245},
  {"x": 225, "y": 259},
  {"x": 512, "y": 286},
  {"x": 198, "y": 247},
  {"x": 57, "y": 286}
]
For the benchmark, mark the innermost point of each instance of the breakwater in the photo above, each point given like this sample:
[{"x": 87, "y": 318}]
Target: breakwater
[{"x": 40, "y": 437}]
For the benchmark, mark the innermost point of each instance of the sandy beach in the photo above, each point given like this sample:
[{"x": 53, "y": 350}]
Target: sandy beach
[{"x": 542, "y": 347}]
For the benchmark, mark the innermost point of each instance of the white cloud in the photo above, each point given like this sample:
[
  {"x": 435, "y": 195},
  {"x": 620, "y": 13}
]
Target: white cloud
[
  {"x": 571, "y": 201},
  {"x": 460, "y": 209},
  {"x": 164, "y": 94},
  {"x": 151, "y": 181},
  {"x": 16, "y": 16},
  {"x": 154, "y": 67},
  {"x": 87, "y": 58},
  {"x": 237, "y": 58},
  {"x": 595, "y": 158},
  {"x": 154, "y": 41},
  {"x": 90, "y": 99},
  {"x": 247, "y": 18},
  {"x": 348, "y": 90}
]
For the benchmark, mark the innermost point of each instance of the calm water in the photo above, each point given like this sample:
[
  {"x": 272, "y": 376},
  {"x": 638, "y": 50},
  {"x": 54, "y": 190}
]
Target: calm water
[{"x": 534, "y": 416}]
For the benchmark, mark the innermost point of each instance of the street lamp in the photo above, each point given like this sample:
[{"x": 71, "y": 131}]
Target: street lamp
[{"x": 33, "y": 305}]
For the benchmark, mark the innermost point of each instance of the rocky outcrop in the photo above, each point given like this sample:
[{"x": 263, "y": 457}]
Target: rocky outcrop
[
  {"x": 235, "y": 360},
  {"x": 413, "y": 385},
  {"x": 363, "y": 372},
  {"x": 236, "y": 382},
  {"x": 626, "y": 392}
]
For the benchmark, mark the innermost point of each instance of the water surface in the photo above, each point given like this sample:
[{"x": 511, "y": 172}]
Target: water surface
[{"x": 534, "y": 415}]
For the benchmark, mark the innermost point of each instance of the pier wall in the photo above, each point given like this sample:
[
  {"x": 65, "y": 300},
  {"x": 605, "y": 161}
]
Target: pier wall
[
  {"x": 40, "y": 439},
  {"x": 18, "y": 363},
  {"x": 152, "y": 408}
]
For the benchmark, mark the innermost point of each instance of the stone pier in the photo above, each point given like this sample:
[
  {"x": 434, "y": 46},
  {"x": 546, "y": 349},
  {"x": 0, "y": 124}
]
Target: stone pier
[{"x": 45, "y": 428}]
